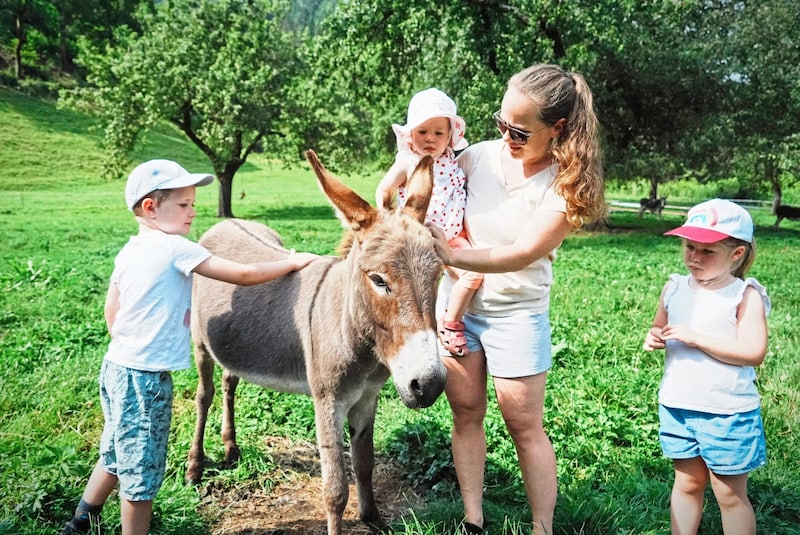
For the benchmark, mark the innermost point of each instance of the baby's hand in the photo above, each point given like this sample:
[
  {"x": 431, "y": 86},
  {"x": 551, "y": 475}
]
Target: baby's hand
[
  {"x": 300, "y": 260},
  {"x": 654, "y": 340}
]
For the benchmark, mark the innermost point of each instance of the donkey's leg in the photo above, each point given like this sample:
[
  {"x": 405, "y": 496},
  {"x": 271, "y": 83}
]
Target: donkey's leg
[
  {"x": 203, "y": 399},
  {"x": 361, "y": 421},
  {"x": 329, "y": 418},
  {"x": 229, "y": 384}
]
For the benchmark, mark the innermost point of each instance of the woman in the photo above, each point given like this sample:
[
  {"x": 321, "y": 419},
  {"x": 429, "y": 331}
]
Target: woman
[{"x": 525, "y": 193}]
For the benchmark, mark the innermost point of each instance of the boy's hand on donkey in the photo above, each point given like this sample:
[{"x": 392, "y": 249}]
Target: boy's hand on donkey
[{"x": 300, "y": 260}]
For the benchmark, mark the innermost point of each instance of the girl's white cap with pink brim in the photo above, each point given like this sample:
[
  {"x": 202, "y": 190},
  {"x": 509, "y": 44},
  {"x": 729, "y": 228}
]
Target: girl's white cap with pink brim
[
  {"x": 713, "y": 221},
  {"x": 154, "y": 175},
  {"x": 426, "y": 105}
]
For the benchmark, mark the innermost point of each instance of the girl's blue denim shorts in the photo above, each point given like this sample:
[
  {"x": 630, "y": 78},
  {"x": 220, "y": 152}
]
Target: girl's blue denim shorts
[
  {"x": 729, "y": 444},
  {"x": 137, "y": 406}
]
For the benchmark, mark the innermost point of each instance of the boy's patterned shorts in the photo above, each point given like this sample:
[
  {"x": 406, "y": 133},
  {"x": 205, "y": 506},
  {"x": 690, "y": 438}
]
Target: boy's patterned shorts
[{"x": 137, "y": 406}]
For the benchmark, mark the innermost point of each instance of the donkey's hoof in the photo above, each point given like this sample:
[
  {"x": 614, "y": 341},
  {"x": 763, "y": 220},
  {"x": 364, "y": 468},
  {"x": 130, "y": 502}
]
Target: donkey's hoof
[
  {"x": 192, "y": 477},
  {"x": 232, "y": 455}
]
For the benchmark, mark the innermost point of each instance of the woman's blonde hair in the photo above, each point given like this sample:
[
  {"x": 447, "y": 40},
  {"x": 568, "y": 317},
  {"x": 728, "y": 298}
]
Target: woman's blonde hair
[{"x": 565, "y": 95}]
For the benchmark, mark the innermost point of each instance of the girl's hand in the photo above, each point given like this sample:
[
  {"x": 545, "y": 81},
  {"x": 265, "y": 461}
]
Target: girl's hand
[
  {"x": 681, "y": 333},
  {"x": 440, "y": 243},
  {"x": 654, "y": 339}
]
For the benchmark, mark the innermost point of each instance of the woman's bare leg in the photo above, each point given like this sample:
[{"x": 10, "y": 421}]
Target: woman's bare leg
[
  {"x": 521, "y": 401},
  {"x": 466, "y": 393}
]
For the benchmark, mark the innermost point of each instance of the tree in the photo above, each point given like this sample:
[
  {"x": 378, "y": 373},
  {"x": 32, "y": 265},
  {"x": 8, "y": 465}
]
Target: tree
[
  {"x": 219, "y": 71},
  {"x": 762, "y": 63},
  {"x": 26, "y": 17},
  {"x": 373, "y": 55},
  {"x": 43, "y": 34}
]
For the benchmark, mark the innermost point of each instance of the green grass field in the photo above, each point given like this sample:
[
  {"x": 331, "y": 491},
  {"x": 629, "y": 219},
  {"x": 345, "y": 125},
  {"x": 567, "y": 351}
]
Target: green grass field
[{"x": 61, "y": 226}]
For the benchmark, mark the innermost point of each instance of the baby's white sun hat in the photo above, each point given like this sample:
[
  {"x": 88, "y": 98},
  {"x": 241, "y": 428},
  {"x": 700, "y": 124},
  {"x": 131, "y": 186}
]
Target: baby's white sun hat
[{"x": 426, "y": 105}]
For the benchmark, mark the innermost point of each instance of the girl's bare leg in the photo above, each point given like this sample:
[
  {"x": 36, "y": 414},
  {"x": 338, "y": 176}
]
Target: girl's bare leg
[
  {"x": 738, "y": 517},
  {"x": 686, "y": 501}
]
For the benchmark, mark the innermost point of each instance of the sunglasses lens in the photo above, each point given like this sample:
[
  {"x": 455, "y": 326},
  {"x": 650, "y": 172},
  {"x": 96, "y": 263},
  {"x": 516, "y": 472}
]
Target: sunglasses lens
[
  {"x": 501, "y": 125},
  {"x": 515, "y": 135}
]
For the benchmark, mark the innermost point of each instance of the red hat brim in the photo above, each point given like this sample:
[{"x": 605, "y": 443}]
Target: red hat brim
[{"x": 698, "y": 234}]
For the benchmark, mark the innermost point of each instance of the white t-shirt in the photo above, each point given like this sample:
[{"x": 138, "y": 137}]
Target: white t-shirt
[
  {"x": 692, "y": 379},
  {"x": 495, "y": 214},
  {"x": 153, "y": 272}
]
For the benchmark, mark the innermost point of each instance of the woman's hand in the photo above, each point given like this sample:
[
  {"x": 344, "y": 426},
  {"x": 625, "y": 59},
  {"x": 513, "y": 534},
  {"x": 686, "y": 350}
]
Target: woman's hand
[{"x": 440, "y": 243}]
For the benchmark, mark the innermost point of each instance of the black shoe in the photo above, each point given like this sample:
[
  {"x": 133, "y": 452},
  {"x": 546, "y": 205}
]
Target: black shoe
[
  {"x": 468, "y": 528},
  {"x": 70, "y": 529}
]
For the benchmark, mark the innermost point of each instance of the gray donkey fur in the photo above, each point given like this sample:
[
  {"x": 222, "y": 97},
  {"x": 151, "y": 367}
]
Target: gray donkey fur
[{"x": 335, "y": 330}]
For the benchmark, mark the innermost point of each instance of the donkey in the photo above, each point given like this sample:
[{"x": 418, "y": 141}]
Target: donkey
[
  {"x": 654, "y": 206},
  {"x": 335, "y": 330},
  {"x": 785, "y": 211}
]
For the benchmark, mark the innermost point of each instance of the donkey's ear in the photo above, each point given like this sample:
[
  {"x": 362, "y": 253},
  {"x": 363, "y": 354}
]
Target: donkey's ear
[
  {"x": 355, "y": 212},
  {"x": 420, "y": 187}
]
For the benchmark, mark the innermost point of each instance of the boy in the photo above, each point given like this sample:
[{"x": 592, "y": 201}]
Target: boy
[{"x": 147, "y": 312}]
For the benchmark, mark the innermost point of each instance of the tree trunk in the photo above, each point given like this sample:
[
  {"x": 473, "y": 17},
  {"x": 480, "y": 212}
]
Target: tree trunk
[
  {"x": 225, "y": 188},
  {"x": 653, "y": 188},
  {"x": 20, "y": 34},
  {"x": 772, "y": 175},
  {"x": 64, "y": 53}
]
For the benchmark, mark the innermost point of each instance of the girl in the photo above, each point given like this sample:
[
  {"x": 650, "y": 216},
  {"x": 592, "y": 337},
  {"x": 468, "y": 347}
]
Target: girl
[
  {"x": 713, "y": 326},
  {"x": 433, "y": 128}
]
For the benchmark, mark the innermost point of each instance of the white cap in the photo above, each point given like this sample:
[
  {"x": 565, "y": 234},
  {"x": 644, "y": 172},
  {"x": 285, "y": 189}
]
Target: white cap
[
  {"x": 714, "y": 220},
  {"x": 160, "y": 174},
  {"x": 426, "y": 105}
]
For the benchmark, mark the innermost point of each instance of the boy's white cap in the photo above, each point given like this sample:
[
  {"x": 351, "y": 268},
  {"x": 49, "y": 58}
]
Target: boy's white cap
[
  {"x": 428, "y": 104},
  {"x": 715, "y": 220},
  {"x": 153, "y": 175}
]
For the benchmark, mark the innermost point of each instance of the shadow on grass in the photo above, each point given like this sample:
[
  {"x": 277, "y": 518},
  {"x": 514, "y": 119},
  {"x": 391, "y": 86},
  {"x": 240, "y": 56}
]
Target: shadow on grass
[{"x": 320, "y": 212}]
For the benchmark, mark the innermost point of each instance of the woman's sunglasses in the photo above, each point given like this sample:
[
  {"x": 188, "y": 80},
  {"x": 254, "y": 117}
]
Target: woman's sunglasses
[{"x": 520, "y": 137}]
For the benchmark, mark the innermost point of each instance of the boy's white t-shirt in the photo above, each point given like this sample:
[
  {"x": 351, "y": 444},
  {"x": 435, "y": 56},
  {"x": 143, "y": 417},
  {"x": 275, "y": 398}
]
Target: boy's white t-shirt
[
  {"x": 495, "y": 214},
  {"x": 153, "y": 272}
]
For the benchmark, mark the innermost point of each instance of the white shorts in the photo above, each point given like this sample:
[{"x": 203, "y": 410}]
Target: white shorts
[{"x": 517, "y": 345}]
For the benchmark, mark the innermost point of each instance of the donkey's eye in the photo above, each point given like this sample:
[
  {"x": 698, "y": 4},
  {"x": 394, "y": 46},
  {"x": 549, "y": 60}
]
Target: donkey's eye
[{"x": 379, "y": 282}]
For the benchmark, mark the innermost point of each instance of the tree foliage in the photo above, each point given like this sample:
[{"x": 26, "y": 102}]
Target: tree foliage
[
  {"x": 373, "y": 55},
  {"x": 695, "y": 88},
  {"x": 219, "y": 71},
  {"x": 42, "y": 35},
  {"x": 763, "y": 68}
]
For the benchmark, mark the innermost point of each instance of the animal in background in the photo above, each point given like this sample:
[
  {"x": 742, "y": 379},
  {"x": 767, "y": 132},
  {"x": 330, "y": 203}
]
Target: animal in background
[
  {"x": 786, "y": 212},
  {"x": 654, "y": 206}
]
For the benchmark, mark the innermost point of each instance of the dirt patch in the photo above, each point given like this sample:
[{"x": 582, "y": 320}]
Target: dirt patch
[{"x": 294, "y": 505}]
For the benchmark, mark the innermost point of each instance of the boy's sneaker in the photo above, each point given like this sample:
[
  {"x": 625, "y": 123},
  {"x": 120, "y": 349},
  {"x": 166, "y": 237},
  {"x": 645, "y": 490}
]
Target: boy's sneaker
[{"x": 71, "y": 529}]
